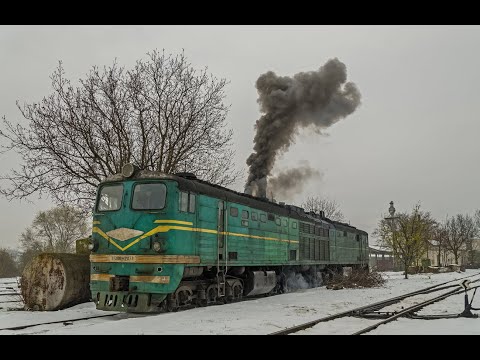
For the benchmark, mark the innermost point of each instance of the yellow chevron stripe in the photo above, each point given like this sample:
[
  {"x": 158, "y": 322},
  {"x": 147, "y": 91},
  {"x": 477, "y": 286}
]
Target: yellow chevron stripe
[
  {"x": 166, "y": 228},
  {"x": 96, "y": 222},
  {"x": 259, "y": 237},
  {"x": 173, "y": 222},
  {"x": 106, "y": 237}
]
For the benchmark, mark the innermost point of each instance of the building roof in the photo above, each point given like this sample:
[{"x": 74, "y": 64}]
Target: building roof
[{"x": 378, "y": 251}]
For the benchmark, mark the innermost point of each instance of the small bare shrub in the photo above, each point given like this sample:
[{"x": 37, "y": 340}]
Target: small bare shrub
[{"x": 356, "y": 279}]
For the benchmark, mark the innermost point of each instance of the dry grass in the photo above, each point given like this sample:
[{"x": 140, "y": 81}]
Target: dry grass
[{"x": 355, "y": 279}]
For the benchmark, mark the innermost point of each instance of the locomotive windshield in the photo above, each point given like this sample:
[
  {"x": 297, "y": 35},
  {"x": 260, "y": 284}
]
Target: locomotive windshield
[
  {"x": 110, "y": 197},
  {"x": 149, "y": 196}
]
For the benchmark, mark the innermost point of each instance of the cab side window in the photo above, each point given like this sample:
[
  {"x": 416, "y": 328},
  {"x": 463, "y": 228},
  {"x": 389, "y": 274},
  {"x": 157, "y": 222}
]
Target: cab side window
[{"x": 186, "y": 202}]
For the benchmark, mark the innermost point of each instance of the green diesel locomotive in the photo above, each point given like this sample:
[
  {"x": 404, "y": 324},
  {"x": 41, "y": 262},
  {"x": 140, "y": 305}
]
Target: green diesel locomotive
[{"x": 160, "y": 242}]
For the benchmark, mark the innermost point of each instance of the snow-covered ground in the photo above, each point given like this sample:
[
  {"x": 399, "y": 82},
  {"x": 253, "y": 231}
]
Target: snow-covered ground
[{"x": 264, "y": 315}]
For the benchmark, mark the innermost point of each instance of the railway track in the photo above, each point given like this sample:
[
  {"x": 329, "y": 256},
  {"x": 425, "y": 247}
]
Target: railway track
[
  {"x": 413, "y": 309},
  {"x": 64, "y": 321},
  {"x": 369, "y": 311}
]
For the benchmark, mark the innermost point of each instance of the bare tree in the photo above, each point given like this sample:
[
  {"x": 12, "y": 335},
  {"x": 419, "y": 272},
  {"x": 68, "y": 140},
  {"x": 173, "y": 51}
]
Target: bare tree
[
  {"x": 55, "y": 230},
  {"x": 8, "y": 267},
  {"x": 330, "y": 207},
  {"x": 161, "y": 115},
  {"x": 476, "y": 217},
  {"x": 473, "y": 245},
  {"x": 440, "y": 236},
  {"x": 406, "y": 235},
  {"x": 460, "y": 229}
]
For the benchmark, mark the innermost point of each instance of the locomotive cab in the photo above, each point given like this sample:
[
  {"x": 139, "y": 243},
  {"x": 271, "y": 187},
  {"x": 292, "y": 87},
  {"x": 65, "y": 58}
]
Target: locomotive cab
[{"x": 137, "y": 256}]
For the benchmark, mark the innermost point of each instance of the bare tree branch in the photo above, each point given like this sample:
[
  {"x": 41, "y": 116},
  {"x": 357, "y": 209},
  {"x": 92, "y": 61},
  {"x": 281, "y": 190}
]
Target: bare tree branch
[
  {"x": 459, "y": 231},
  {"x": 55, "y": 230},
  {"x": 161, "y": 115},
  {"x": 329, "y": 207},
  {"x": 8, "y": 266}
]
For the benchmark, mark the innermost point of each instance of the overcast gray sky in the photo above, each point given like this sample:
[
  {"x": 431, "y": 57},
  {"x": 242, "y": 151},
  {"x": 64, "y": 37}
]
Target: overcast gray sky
[{"x": 413, "y": 139}]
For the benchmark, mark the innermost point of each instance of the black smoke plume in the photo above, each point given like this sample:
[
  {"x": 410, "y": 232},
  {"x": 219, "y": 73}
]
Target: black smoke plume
[
  {"x": 289, "y": 182},
  {"x": 315, "y": 99}
]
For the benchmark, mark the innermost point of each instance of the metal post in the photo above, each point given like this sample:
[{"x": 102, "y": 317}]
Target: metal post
[{"x": 391, "y": 221}]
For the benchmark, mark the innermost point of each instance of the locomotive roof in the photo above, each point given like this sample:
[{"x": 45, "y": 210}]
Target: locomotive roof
[{"x": 203, "y": 187}]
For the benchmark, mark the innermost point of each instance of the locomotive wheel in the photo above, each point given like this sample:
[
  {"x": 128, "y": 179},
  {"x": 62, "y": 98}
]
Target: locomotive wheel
[
  {"x": 237, "y": 291},
  {"x": 212, "y": 293},
  {"x": 184, "y": 295}
]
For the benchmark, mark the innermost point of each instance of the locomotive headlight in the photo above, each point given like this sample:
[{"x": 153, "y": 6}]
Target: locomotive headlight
[
  {"x": 128, "y": 170},
  {"x": 156, "y": 246}
]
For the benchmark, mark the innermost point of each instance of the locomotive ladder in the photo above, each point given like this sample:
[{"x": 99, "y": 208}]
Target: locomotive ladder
[
  {"x": 222, "y": 235},
  {"x": 221, "y": 281}
]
